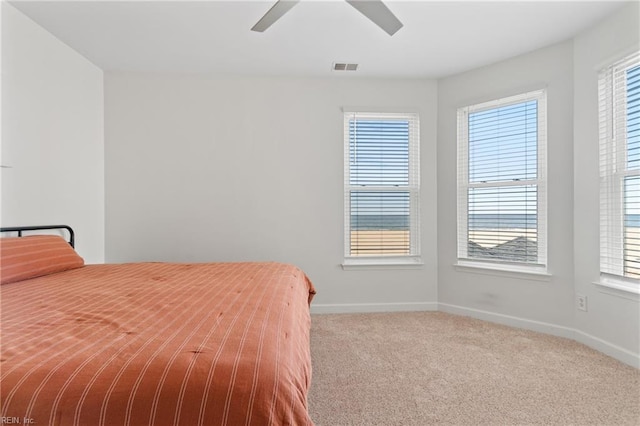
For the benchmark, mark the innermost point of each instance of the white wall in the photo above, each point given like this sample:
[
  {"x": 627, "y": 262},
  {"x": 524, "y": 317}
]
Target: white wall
[
  {"x": 611, "y": 316},
  {"x": 241, "y": 169},
  {"x": 502, "y": 294},
  {"x": 568, "y": 71},
  {"x": 52, "y": 134}
]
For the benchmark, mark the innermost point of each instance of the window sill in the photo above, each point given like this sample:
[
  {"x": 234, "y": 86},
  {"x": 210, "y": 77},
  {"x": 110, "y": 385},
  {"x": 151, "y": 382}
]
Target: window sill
[
  {"x": 404, "y": 262},
  {"x": 503, "y": 270},
  {"x": 619, "y": 287}
]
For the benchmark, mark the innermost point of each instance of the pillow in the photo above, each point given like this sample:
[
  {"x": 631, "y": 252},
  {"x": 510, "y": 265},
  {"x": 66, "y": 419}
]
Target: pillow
[{"x": 22, "y": 258}]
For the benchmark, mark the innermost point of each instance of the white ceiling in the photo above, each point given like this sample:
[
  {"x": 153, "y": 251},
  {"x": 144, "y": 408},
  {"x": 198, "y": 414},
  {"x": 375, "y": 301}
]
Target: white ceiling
[{"x": 438, "y": 38}]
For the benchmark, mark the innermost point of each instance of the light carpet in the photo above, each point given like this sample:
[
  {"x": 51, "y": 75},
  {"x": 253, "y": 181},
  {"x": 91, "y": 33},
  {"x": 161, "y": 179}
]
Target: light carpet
[{"x": 423, "y": 368}]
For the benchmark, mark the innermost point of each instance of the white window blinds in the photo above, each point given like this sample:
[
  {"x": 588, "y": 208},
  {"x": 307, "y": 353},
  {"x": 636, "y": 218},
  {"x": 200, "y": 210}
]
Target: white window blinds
[
  {"x": 619, "y": 122},
  {"x": 501, "y": 180},
  {"x": 382, "y": 183}
]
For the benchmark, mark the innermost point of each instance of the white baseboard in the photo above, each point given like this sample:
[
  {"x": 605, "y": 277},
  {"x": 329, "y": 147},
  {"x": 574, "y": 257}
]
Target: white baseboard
[
  {"x": 353, "y": 308},
  {"x": 614, "y": 351},
  {"x": 539, "y": 326}
]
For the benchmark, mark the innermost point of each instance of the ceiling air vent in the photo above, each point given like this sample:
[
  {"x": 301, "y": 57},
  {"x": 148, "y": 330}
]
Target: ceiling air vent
[{"x": 337, "y": 66}]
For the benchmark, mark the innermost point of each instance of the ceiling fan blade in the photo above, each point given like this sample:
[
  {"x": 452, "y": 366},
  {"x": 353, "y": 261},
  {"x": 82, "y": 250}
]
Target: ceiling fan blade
[
  {"x": 379, "y": 13},
  {"x": 277, "y": 10}
]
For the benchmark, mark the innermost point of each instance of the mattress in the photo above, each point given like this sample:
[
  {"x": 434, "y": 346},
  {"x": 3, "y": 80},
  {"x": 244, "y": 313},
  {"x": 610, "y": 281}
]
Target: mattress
[{"x": 158, "y": 343}]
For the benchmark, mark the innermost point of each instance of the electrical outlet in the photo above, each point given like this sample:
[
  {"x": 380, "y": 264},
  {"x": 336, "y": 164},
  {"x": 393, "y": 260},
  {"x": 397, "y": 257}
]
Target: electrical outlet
[{"x": 581, "y": 302}]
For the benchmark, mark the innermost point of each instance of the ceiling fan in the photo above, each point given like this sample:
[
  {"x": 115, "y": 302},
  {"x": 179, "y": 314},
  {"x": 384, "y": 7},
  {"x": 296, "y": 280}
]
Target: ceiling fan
[{"x": 375, "y": 10}]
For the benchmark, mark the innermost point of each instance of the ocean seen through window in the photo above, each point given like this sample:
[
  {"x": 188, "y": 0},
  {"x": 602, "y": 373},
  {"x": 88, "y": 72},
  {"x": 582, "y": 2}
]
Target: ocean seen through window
[
  {"x": 381, "y": 184},
  {"x": 501, "y": 188}
]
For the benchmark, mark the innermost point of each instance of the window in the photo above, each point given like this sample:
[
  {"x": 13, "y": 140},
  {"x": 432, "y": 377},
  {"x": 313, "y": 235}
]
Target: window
[
  {"x": 501, "y": 182},
  {"x": 382, "y": 186},
  {"x": 619, "y": 122}
]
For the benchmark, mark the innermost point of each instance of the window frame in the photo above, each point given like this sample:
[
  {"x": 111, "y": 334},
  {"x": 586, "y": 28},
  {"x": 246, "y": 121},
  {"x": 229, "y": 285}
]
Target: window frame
[
  {"x": 501, "y": 265},
  {"x": 613, "y": 171},
  {"x": 414, "y": 258}
]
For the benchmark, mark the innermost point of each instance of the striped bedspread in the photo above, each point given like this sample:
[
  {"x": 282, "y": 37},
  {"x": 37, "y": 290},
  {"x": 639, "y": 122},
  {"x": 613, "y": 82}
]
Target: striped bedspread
[{"x": 157, "y": 343}]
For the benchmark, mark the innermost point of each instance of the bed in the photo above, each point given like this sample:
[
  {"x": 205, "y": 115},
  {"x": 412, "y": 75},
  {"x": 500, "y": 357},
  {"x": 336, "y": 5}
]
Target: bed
[{"x": 150, "y": 343}]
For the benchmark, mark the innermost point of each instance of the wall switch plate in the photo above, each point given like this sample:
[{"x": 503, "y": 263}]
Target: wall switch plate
[{"x": 581, "y": 302}]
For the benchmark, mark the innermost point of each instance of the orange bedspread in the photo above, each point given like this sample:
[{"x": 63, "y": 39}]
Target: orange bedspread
[{"x": 158, "y": 343}]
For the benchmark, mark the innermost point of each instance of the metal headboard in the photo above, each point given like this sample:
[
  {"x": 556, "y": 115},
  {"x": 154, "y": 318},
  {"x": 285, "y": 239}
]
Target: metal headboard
[{"x": 20, "y": 229}]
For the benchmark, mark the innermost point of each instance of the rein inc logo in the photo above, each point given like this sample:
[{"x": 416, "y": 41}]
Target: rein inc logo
[{"x": 16, "y": 421}]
